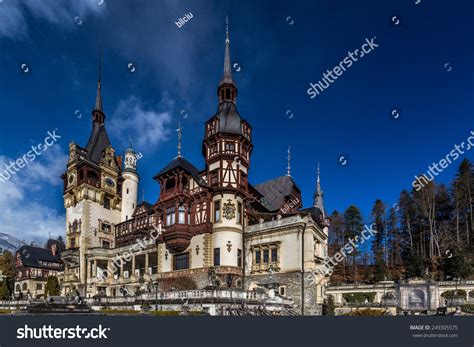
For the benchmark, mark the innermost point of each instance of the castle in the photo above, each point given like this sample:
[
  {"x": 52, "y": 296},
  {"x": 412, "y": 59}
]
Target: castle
[{"x": 208, "y": 227}]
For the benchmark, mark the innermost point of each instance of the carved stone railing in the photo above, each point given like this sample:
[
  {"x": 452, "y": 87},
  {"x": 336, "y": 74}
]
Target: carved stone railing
[
  {"x": 216, "y": 295},
  {"x": 273, "y": 224}
]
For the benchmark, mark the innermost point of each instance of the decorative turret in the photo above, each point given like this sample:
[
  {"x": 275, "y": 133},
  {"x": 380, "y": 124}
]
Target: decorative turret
[
  {"x": 227, "y": 144},
  {"x": 130, "y": 183}
]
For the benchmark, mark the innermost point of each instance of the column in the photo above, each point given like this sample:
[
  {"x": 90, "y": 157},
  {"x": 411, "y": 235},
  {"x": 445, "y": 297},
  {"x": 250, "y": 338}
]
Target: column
[{"x": 146, "y": 263}]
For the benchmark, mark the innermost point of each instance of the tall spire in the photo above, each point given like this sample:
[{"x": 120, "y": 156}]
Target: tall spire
[
  {"x": 179, "y": 130},
  {"x": 227, "y": 64},
  {"x": 318, "y": 195},
  {"x": 98, "y": 98},
  {"x": 98, "y": 116},
  {"x": 288, "y": 168},
  {"x": 227, "y": 90}
]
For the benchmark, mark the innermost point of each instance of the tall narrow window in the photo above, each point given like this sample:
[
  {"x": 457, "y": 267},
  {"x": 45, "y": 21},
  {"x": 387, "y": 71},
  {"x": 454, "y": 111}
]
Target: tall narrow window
[
  {"x": 258, "y": 257},
  {"x": 274, "y": 255},
  {"x": 107, "y": 203},
  {"x": 239, "y": 213},
  {"x": 181, "y": 214},
  {"x": 181, "y": 261},
  {"x": 170, "y": 216},
  {"x": 217, "y": 256},
  {"x": 217, "y": 211},
  {"x": 265, "y": 255},
  {"x": 239, "y": 257}
]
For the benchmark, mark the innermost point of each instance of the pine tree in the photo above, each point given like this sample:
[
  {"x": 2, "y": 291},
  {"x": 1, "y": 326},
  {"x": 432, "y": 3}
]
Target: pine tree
[
  {"x": 336, "y": 241},
  {"x": 379, "y": 244},
  {"x": 456, "y": 265},
  {"x": 394, "y": 241},
  {"x": 7, "y": 265},
  {"x": 52, "y": 287},
  {"x": 463, "y": 186},
  {"x": 353, "y": 226}
]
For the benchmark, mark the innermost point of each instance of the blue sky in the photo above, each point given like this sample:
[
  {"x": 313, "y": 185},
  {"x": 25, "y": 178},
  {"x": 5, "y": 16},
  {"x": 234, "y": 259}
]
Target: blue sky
[{"x": 178, "y": 69}]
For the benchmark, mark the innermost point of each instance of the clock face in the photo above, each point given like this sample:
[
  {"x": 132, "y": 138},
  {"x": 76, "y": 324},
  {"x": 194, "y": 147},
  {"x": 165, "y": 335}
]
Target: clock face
[
  {"x": 110, "y": 182},
  {"x": 71, "y": 179}
]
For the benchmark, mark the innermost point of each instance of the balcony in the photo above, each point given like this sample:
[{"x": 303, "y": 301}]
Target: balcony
[{"x": 177, "y": 237}]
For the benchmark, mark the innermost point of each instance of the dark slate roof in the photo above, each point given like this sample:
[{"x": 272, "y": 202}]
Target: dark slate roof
[
  {"x": 229, "y": 118},
  {"x": 314, "y": 212},
  {"x": 31, "y": 256},
  {"x": 98, "y": 142},
  {"x": 184, "y": 164},
  {"x": 142, "y": 207},
  {"x": 275, "y": 191}
]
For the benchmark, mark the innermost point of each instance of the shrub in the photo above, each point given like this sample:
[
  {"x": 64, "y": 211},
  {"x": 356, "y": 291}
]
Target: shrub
[
  {"x": 52, "y": 287},
  {"x": 467, "y": 308},
  {"x": 358, "y": 298},
  {"x": 328, "y": 306},
  {"x": 366, "y": 312},
  {"x": 454, "y": 294}
]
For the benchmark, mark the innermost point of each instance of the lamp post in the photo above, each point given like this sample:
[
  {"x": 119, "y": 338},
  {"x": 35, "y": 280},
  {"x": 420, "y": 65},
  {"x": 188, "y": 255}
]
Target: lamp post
[{"x": 156, "y": 284}]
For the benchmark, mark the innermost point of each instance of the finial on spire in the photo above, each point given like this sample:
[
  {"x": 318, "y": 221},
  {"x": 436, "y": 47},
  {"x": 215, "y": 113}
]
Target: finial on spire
[
  {"x": 288, "y": 168},
  {"x": 143, "y": 194},
  {"x": 179, "y": 130},
  {"x": 227, "y": 29},
  {"x": 318, "y": 172},
  {"x": 227, "y": 63},
  {"x": 98, "y": 98},
  {"x": 130, "y": 140}
]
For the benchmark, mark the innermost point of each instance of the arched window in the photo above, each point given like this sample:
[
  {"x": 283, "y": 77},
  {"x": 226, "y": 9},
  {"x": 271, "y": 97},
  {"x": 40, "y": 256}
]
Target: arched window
[
  {"x": 18, "y": 288},
  {"x": 25, "y": 286},
  {"x": 227, "y": 94}
]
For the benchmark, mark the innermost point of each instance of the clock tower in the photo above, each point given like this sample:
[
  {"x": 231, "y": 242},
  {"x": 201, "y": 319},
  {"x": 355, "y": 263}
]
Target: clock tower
[{"x": 92, "y": 198}]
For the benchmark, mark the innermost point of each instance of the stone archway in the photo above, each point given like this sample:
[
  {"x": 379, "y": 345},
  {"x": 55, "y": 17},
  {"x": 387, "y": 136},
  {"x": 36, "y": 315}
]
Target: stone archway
[{"x": 416, "y": 299}]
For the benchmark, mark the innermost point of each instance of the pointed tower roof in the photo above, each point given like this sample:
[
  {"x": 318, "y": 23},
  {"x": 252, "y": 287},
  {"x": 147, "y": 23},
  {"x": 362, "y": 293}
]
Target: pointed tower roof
[
  {"x": 98, "y": 140},
  {"x": 227, "y": 77},
  {"x": 318, "y": 195}
]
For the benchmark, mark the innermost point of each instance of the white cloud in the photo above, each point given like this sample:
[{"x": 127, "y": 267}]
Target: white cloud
[
  {"x": 13, "y": 14},
  {"x": 148, "y": 126},
  {"x": 23, "y": 216}
]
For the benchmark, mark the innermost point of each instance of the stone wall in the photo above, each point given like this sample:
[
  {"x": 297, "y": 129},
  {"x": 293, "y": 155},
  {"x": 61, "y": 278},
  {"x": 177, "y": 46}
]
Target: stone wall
[{"x": 291, "y": 281}]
